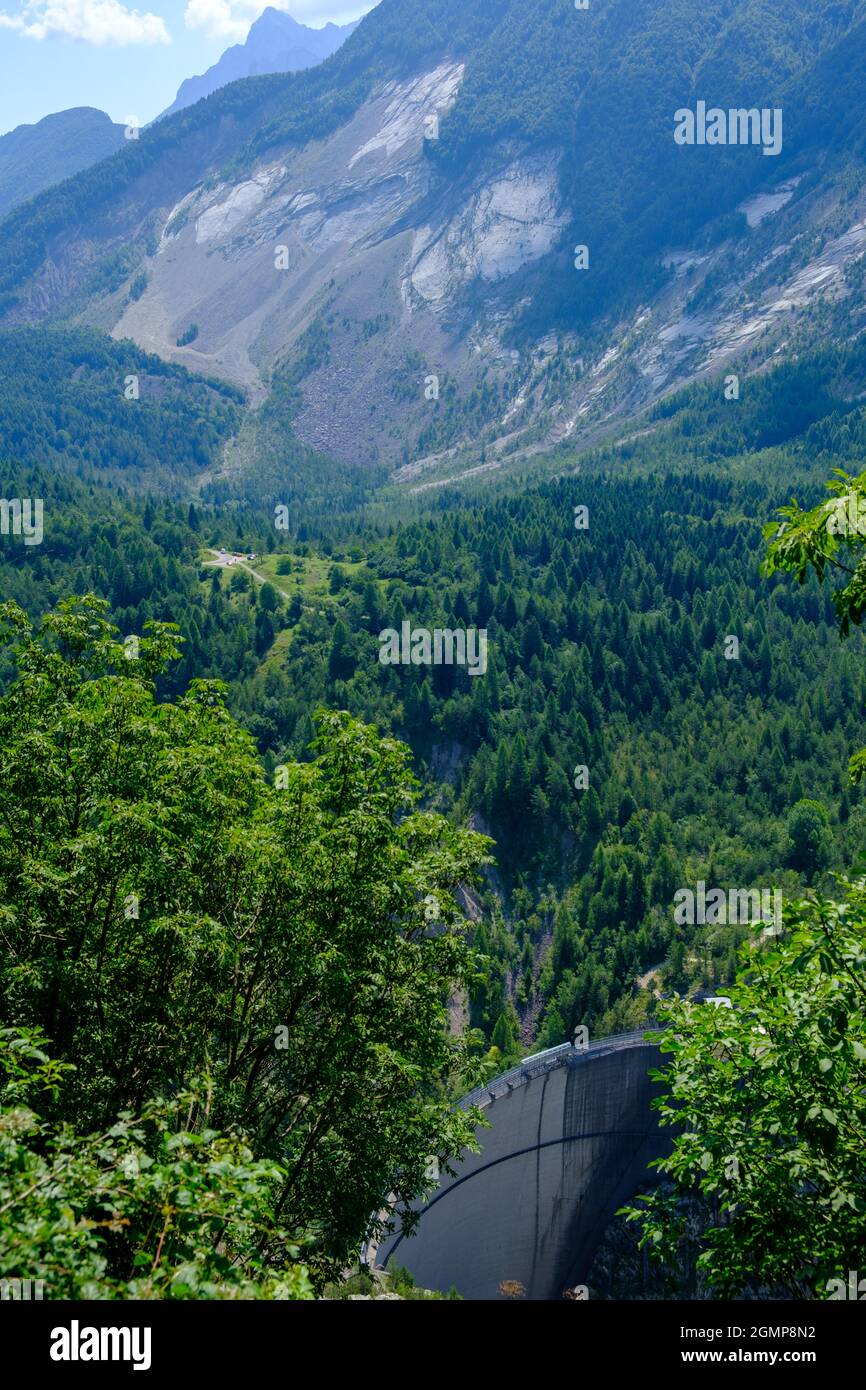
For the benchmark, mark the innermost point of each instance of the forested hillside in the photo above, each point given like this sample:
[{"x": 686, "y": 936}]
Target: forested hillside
[
  {"x": 214, "y": 948},
  {"x": 304, "y": 387},
  {"x": 76, "y": 404},
  {"x": 33, "y": 157},
  {"x": 607, "y": 652},
  {"x": 634, "y": 192}
]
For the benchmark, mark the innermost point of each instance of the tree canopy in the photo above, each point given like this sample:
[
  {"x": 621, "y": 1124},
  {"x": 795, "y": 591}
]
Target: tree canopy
[
  {"x": 173, "y": 920},
  {"x": 767, "y": 1096}
]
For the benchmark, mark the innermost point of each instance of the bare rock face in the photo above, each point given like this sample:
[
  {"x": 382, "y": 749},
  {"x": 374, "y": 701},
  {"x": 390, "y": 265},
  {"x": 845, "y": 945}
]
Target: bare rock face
[
  {"x": 359, "y": 228},
  {"x": 252, "y": 262},
  {"x": 417, "y": 278},
  {"x": 509, "y": 221},
  {"x": 394, "y": 294}
]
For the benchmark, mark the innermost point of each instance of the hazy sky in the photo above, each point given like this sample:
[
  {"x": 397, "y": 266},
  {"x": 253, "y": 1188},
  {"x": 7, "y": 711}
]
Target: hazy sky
[{"x": 126, "y": 60}]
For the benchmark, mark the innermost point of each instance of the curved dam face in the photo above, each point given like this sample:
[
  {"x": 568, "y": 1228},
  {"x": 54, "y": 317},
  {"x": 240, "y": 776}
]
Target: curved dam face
[{"x": 571, "y": 1135}]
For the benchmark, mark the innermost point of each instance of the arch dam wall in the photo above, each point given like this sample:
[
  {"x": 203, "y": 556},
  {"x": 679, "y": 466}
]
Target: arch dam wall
[{"x": 572, "y": 1134}]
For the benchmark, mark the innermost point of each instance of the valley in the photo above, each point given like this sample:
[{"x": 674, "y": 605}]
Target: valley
[{"x": 411, "y": 636}]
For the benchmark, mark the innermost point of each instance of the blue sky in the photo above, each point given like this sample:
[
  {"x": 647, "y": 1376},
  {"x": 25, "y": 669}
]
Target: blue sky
[{"x": 127, "y": 59}]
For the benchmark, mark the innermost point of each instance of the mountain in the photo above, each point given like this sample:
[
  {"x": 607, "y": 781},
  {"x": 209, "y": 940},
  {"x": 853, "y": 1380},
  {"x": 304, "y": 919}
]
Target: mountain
[
  {"x": 33, "y": 157},
  {"x": 447, "y": 334},
  {"x": 384, "y": 245},
  {"x": 275, "y": 43}
]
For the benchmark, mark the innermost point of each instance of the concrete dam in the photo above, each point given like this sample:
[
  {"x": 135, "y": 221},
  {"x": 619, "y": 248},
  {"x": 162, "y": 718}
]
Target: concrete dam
[{"x": 571, "y": 1135}]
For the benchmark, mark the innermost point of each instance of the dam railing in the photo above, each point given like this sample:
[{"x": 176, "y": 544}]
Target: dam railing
[{"x": 540, "y": 1062}]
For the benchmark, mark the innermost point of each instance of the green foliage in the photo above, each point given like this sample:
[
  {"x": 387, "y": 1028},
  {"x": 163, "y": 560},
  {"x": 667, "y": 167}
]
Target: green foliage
[
  {"x": 397, "y": 1283},
  {"x": 111, "y": 270},
  {"x": 819, "y": 541},
  {"x": 811, "y": 843},
  {"x": 168, "y": 913},
  {"x": 503, "y": 1037},
  {"x": 269, "y": 598},
  {"x": 138, "y": 286},
  {"x": 825, "y": 538},
  {"x": 310, "y": 484},
  {"x": 403, "y": 1283},
  {"x": 807, "y": 405},
  {"x": 154, "y": 1206},
  {"x": 63, "y": 409},
  {"x": 606, "y": 649},
  {"x": 768, "y": 1105},
  {"x": 33, "y": 157}
]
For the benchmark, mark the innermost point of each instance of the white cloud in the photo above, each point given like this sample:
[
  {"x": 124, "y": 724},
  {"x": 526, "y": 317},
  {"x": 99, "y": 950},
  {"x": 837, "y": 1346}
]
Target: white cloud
[
  {"x": 231, "y": 19},
  {"x": 93, "y": 21},
  {"x": 219, "y": 18}
]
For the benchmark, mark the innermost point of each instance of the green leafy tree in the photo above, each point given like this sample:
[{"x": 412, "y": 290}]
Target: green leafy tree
[
  {"x": 768, "y": 1097},
  {"x": 824, "y": 540},
  {"x": 269, "y": 598},
  {"x": 810, "y": 843},
  {"x": 341, "y": 659},
  {"x": 827, "y": 539},
  {"x": 154, "y": 1206},
  {"x": 503, "y": 1035},
  {"x": 168, "y": 913},
  {"x": 768, "y": 1101}
]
